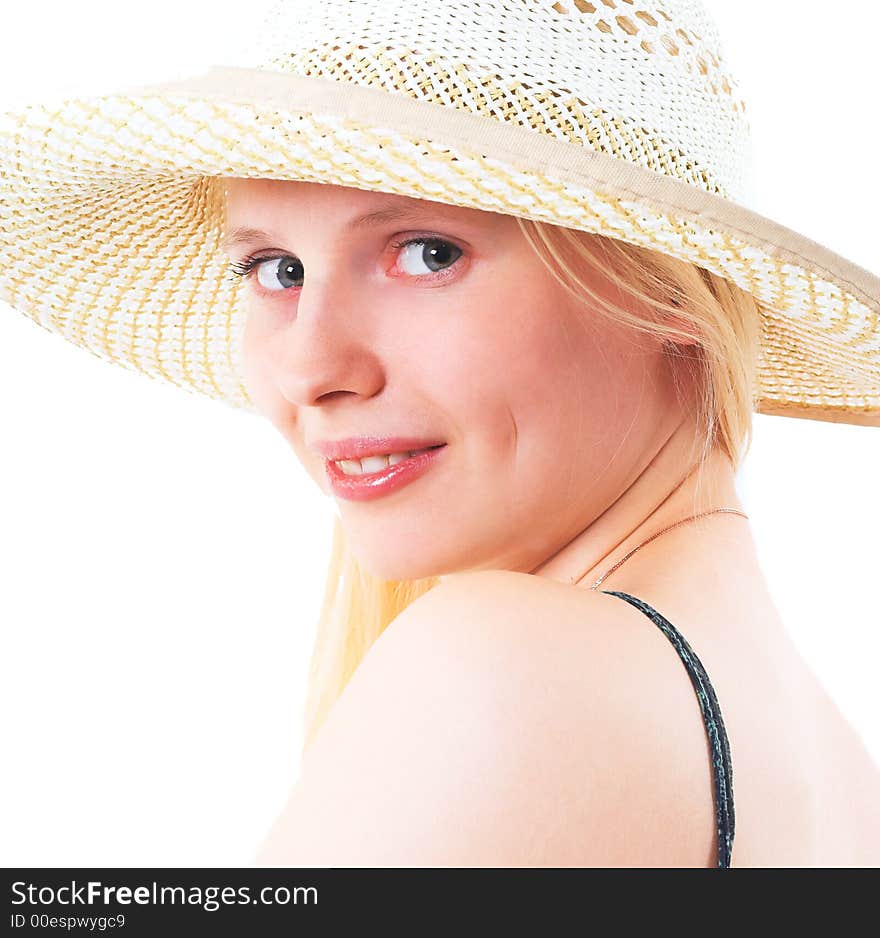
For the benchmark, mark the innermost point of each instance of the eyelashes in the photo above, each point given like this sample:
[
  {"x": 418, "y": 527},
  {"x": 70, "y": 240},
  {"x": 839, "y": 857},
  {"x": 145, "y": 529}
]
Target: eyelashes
[
  {"x": 433, "y": 251},
  {"x": 246, "y": 267}
]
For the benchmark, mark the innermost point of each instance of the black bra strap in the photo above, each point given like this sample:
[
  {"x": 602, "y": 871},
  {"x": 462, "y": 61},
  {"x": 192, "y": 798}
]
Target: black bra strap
[{"x": 721, "y": 764}]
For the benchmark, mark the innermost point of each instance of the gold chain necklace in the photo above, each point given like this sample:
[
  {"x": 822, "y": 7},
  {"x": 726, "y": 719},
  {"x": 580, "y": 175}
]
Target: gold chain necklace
[{"x": 663, "y": 531}]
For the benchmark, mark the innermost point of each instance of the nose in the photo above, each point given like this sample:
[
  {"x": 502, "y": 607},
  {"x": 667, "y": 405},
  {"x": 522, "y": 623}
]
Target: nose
[{"x": 326, "y": 347}]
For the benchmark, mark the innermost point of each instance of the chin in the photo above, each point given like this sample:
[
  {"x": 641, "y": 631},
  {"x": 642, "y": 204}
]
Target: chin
[
  {"x": 403, "y": 570},
  {"x": 409, "y": 545},
  {"x": 398, "y": 567}
]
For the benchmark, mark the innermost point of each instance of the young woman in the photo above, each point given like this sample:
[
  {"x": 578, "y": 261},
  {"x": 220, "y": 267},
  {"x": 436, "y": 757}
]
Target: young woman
[
  {"x": 514, "y": 714},
  {"x": 506, "y": 303}
]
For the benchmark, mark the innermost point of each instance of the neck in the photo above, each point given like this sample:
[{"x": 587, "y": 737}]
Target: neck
[{"x": 672, "y": 487}]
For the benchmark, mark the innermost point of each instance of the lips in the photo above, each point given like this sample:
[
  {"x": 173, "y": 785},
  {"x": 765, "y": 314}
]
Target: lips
[
  {"x": 371, "y": 485},
  {"x": 363, "y": 446}
]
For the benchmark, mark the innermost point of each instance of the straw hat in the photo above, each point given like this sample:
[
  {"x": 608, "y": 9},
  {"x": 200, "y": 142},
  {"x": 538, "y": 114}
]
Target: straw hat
[{"x": 615, "y": 116}]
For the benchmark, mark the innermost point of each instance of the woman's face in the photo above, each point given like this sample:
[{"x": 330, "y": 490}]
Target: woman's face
[{"x": 547, "y": 412}]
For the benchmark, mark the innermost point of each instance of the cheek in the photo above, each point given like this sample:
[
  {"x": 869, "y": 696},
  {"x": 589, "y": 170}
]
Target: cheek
[
  {"x": 547, "y": 396},
  {"x": 255, "y": 373},
  {"x": 547, "y": 384},
  {"x": 272, "y": 405},
  {"x": 264, "y": 393},
  {"x": 514, "y": 366}
]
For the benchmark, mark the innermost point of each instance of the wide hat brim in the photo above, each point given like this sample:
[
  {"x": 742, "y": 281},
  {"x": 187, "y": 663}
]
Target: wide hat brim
[{"x": 111, "y": 220}]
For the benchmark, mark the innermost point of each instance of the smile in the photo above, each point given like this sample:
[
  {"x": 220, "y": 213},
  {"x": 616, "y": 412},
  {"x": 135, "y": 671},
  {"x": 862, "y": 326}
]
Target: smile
[
  {"x": 370, "y": 464},
  {"x": 374, "y": 476}
]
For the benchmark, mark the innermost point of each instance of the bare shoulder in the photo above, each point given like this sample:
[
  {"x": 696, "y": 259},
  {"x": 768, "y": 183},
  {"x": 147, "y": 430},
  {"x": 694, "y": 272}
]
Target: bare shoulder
[
  {"x": 500, "y": 720},
  {"x": 481, "y": 601},
  {"x": 536, "y": 624}
]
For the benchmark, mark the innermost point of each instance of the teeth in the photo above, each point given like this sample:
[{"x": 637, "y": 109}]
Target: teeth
[
  {"x": 374, "y": 463},
  {"x": 356, "y": 467}
]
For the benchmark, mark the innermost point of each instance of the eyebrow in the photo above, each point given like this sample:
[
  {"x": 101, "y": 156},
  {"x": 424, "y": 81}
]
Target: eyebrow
[{"x": 246, "y": 235}]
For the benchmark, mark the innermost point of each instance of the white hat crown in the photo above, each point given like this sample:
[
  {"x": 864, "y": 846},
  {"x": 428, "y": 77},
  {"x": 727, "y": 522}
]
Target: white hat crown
[{"x": 641, "y": 80}]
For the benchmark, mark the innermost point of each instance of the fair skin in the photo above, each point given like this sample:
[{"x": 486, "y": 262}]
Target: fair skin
[
  {"x": 512, "y": 716},
  {"x": 461, "y": 360}
]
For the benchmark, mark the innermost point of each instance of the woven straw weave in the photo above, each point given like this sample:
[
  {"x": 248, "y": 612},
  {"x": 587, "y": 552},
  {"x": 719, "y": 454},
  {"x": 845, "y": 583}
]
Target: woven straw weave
[{"x": 618, "y": 117}]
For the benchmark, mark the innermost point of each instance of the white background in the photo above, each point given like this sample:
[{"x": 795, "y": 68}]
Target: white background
[{"x": 162, "y": 557}]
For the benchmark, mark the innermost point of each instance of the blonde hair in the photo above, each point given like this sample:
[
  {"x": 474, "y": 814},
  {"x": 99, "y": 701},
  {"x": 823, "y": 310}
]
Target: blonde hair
[{"x": 709, "y": 330}]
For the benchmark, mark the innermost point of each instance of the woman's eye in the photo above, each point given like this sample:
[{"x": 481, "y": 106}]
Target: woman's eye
[
  {"x": 433, "y": 253},
  {"x": 279, "y": 273}
]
